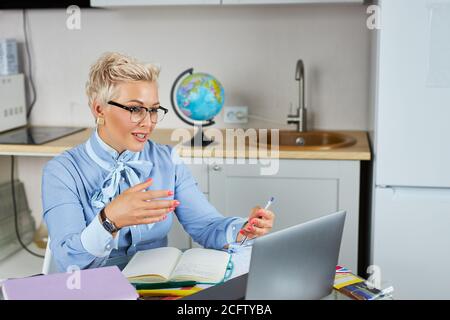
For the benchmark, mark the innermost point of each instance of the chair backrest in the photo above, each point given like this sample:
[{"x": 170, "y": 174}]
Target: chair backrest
[{"x": 49, "y": 265}]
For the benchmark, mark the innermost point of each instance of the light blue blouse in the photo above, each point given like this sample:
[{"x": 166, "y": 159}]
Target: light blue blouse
[{"x": 79, "y": 182}]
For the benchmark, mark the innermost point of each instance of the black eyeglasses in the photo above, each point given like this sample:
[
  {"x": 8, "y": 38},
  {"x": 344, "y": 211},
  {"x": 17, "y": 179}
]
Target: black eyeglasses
[{"x": 138, "y": 113}]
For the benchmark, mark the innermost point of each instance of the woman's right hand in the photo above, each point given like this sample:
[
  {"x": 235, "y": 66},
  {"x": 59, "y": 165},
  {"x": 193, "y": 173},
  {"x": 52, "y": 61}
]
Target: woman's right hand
[{"x": 137, "y": 206}]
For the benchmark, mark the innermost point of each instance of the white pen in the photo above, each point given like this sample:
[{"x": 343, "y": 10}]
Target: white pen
[{"x": 265, "y": 208}]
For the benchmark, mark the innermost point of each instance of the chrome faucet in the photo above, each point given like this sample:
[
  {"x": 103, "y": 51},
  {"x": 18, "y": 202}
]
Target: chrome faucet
[{"x": 300, "y": 117}]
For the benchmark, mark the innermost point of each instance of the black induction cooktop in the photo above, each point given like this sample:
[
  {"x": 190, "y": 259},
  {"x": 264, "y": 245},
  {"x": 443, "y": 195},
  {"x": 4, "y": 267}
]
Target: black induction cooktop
[{"x": 36, "y": 134}]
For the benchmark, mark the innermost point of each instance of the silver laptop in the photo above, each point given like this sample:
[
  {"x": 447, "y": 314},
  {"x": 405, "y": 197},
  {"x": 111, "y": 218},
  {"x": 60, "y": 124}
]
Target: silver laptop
[{"x": 298, "y": 262}]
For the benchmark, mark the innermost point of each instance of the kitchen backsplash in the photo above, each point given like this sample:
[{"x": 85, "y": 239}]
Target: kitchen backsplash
[{"x": 252, "y": 50}]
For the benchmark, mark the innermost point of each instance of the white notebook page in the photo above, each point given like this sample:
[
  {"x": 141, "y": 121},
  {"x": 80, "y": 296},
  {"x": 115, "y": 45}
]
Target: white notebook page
[
  {"x": 205, "y": 264},
  {"x": 160, "y": 261}
]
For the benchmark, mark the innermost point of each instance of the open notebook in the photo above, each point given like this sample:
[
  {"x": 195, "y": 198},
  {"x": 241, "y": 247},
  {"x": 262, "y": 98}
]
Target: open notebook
[{"x": 171, "y": 264}]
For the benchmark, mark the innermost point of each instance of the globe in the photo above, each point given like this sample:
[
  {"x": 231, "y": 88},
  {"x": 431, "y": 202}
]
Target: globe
[{"x": 200, "y": 96}]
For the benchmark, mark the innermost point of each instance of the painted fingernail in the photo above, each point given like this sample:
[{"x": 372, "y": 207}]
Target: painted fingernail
[
  {"x": 176, "y": 203},
  {"x": 241, "y": 231},
  {"x": 149, "y": 179},
  {"x": 170, "y": 193}
]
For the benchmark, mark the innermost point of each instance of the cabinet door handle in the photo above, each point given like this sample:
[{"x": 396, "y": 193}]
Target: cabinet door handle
[{"x": 217, "y": 167}]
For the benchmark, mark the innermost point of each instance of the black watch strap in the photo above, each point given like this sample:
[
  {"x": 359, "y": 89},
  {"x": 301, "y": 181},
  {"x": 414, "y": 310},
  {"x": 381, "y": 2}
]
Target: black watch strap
[{"x": 106, "y": 223}]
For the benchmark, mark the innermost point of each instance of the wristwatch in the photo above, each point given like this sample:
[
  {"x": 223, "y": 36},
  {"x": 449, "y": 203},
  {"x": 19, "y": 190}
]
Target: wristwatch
[{"x": 106, "y": 223}]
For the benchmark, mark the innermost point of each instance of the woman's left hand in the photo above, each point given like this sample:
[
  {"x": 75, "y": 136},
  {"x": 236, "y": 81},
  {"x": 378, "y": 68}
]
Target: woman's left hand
[{"x": 260, "y": 222}]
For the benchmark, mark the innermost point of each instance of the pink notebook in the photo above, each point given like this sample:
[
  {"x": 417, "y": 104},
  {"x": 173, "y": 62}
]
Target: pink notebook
[{"x": 106, "y": 283}]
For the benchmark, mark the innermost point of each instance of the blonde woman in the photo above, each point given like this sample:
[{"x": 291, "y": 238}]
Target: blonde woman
[{"x": 117, "y": 193}]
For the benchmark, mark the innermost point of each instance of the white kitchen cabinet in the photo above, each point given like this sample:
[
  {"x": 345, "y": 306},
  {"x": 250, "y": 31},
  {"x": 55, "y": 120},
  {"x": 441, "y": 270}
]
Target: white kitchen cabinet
[
  {"x": 178, "y": 237},
  {"x": 303, "y": 190},
  {"x": 123, "y": 3},
  {"x": 288, "y": 1}
]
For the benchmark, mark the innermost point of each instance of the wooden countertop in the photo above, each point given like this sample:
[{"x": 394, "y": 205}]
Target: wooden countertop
[{"x": 358, "y": 151}]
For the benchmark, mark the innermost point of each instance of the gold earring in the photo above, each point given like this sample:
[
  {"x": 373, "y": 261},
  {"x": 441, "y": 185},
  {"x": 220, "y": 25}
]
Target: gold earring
[{"x": 100, "y": 121}]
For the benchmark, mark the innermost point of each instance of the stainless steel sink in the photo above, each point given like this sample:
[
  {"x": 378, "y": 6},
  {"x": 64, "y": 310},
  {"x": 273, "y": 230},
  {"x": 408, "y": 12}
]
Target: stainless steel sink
[{"x": 311, "y": 140}]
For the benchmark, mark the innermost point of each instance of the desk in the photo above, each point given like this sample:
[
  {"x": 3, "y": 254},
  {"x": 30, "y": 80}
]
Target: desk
[{"x": 30, "y": 265}]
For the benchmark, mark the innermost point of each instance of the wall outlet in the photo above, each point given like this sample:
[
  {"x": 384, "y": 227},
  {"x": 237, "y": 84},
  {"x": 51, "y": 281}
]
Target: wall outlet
[{"x": 235, "y": 114}]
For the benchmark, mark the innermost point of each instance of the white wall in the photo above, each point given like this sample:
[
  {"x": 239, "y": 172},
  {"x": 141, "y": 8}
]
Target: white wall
[{"x": 252, "y": 50}]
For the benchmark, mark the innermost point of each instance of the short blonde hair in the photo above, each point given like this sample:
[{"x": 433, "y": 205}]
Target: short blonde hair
[{"x": 112, "y": 68}]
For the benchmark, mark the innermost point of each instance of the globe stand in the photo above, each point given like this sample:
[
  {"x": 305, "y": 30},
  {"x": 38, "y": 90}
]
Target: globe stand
[{"x": 199, "y": 139}]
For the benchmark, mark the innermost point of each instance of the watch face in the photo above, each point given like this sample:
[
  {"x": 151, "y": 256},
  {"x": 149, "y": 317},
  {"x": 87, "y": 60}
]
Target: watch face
[{"x": 109, "y": 226}]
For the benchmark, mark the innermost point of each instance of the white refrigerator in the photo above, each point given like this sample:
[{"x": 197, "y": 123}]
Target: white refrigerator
[{"x": 410, "y": 240}]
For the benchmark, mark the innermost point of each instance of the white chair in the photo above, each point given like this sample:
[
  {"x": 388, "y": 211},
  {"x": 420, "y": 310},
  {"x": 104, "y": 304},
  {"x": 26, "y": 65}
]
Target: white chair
[{"x": 49, "y": 265}]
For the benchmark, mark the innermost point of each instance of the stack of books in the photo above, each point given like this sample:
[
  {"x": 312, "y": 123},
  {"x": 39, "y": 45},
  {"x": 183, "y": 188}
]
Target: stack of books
[
  {"x": 357, "y": 288},
  {"x": 171, "y": 290}
]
